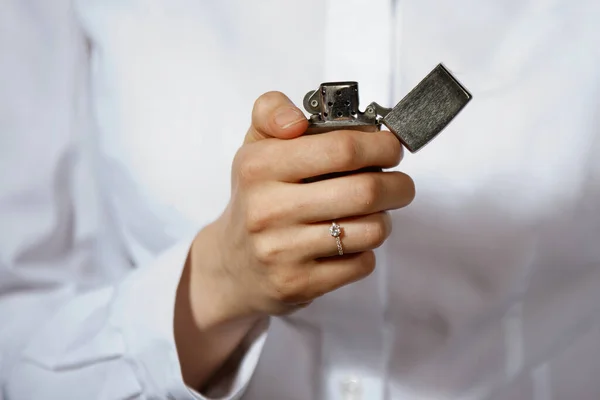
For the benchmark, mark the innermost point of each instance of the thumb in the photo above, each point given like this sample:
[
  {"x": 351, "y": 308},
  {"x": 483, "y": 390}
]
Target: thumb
[{"x": 275, "y": 116}]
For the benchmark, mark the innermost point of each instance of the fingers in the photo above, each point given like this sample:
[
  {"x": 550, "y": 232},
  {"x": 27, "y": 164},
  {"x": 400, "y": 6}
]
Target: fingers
[
  {"x": 332, "y": 273},
  {"x": 304, "y": 244},
  {"x": 275, "y": 116},
  {"x": 353, "y": 195},
  {"x": 299, "y": 286},
  {"x": 332, "y": 199},
  {"x": 358, "y": 235},
  {"x": 284, "y": 224},
  {"x": 315, "y": 155},
  {"x": 301, "y": 267}
]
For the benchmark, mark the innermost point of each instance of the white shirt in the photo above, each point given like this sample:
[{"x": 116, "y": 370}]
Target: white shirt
[{"x": 118, "y": 123}]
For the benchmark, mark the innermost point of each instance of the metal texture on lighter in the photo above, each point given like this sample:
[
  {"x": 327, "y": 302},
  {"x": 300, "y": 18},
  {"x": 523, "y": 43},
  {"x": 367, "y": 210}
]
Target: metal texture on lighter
[{"x": 416, "y": 120}]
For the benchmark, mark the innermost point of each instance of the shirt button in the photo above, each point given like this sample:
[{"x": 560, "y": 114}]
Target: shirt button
[{"x": 351, "y": 389}]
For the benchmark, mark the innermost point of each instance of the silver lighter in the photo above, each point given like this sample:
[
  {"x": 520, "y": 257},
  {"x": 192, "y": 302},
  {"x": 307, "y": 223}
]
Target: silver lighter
[{"x": 415, "y": 120}]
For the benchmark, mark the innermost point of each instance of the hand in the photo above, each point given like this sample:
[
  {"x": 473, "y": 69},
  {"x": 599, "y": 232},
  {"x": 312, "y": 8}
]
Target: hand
[
  {"x": 276, "y": 253},
  {"x": 270, "y": 252}
]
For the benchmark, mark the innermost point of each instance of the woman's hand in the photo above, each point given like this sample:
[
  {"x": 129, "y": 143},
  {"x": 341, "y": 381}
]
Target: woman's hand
[
  {"x": 275, "y": 249},
  {"x": 271, "y": 252}
]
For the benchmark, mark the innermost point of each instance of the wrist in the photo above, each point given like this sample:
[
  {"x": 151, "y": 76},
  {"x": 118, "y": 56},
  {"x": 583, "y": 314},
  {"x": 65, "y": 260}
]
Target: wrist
[
  {"x": 216, "y": 297},
  {"x": 208, "y": 326}
]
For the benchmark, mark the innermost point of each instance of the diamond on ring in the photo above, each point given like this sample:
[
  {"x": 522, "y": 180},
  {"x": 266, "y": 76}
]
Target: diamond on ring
[{"x": 336, "y": 231}]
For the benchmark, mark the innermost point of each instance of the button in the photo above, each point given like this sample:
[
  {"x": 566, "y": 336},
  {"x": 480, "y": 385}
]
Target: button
[{"x": 351, "y": 389}]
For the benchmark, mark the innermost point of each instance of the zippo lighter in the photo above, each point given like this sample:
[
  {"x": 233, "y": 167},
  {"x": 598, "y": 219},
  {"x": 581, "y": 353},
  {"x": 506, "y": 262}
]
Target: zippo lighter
[{"x": 415, "y": 120}]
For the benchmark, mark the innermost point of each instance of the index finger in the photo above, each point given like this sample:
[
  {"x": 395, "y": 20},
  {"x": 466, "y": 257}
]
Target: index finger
[{"x": 336, "y": 151}]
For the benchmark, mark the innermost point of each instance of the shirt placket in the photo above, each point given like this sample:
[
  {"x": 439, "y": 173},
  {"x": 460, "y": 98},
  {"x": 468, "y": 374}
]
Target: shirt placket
[{"x": 358, "y": 46}]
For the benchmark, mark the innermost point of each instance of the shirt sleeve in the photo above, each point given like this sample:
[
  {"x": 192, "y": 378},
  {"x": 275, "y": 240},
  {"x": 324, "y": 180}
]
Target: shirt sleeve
[
  {"x": 116, "y": 342},
  {"x": 72, "y": 327}
]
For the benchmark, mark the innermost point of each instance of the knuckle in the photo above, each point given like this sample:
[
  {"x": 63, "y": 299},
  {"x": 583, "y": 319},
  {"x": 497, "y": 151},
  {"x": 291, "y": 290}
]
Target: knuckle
[
  {"x": 375, "y": 233},
  {"x": 266, "y": 102},
  {"x": 396, "y": 149},
  {"x": 258, "y": 217},
  {"x": 289, "y": 286},
  {"x": 270, "y": 97},
  {"x": 409, "y": 188},
  {"x": 366, "y": 191},
  {"x": 266, "y": 250},
  {"x": 367, "y": 263},
  {"x": 344, "y": 152},
  {"x": 362, "y": 266},
  {"x": 264, "y": 107},
  {"x": 240, "y": 157},
  {"x": 266, "y": 99},
  {"x": 248, "y": 165}
]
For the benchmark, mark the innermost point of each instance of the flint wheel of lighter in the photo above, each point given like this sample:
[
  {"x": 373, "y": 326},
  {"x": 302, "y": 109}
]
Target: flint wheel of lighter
[{"x": 415, "y": 120}]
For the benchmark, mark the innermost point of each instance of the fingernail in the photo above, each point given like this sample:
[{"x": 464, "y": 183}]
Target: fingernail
[{"x": 288, "y": 117}]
